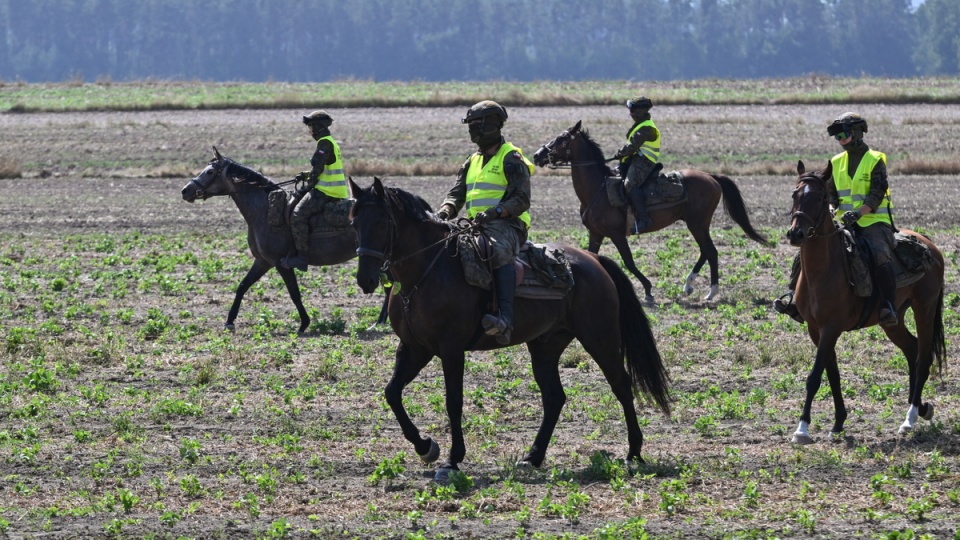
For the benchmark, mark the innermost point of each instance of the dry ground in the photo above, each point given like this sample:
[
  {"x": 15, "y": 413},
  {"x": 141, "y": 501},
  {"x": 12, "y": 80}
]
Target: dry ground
[{"x": 117, "y": 381}]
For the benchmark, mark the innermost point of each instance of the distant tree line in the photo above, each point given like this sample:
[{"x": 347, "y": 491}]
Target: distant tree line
[{"x": 443, "y": 40}]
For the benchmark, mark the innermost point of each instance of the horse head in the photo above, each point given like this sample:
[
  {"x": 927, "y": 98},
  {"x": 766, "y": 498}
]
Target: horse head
[
  {"x": 210, "y": 182},
  {"x": 558, "y": 150},
  {"x": 810, "y": 206}
]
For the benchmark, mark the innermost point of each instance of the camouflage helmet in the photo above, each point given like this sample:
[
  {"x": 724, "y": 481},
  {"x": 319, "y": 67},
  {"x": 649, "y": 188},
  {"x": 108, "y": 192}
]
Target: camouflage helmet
[
  {"x": 848, "y": 122},
  {"x": 484, "y": 109},
  {"x": 639, "y": 103},
  {"x": 318, "y": 117}
]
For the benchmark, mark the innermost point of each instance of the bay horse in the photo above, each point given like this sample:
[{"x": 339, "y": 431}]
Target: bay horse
[
  {"x": 829, "y": 306},
  {"x": 589, "y": 171},
  {"x": 248, "y": 189},
  {"x": 437, "y": 313}
]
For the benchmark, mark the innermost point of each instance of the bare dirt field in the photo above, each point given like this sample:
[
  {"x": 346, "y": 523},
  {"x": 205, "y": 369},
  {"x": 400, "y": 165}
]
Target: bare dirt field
[{"x": 127, "y": 411}]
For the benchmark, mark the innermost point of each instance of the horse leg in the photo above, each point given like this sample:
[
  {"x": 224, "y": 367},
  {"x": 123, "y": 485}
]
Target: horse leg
[
  {"x": 256, "y": 272},
  {"x": 708, "y": 254},
  {"x": 918, "y": 369},
  {"x": 293, "y": 288},
  {"x": 605, "y": 352},
  {"x": 826, "y": 359},
  {"x": 453, "y": 384},
  {"x": 623, "y": 248},
  {"x": 407, "y": 366},
  {"x": 545, "y": 359}
]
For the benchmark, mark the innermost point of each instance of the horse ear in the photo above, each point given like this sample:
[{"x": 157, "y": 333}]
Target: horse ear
[
  {"x": 378, "y": 187},
  {"x": 354, "y": 188},
  {"x": 576, "y": 127},
  {"x": 217, "y": 154},
  {"x": 800, "y": 168}
]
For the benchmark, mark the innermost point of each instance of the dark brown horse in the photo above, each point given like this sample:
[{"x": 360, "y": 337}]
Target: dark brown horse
[
  {"x": 829, "y": 306},
  {"x": 589, "y": 171},
  {"x": 437, "y": 313},
  {"x": 248, "y": 189}
]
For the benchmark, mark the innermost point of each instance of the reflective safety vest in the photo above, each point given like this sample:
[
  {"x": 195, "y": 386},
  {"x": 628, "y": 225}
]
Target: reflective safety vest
[
  {"x": 853, "y": 191},
  {"x": 332, "y": 181},
  {"x": 649, "y": 149},
  {"x": 486, "y": 184}
]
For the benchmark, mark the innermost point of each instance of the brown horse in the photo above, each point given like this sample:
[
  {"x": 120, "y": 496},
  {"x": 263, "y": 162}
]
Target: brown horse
[
  {"x": 436, "y": 312},
  {"x": 829, "y": 306},
  {"x": 603, "y": 220}
]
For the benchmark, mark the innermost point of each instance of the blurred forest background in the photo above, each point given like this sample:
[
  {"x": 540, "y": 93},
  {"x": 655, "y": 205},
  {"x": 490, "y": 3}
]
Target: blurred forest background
[{"x": 465, "y": 40}]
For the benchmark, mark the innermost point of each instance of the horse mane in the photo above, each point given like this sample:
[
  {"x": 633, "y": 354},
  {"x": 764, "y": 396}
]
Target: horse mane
[
  {"x": 412, "y": 205},
  {"x": 249, "y": 176},
  {"x": 596, "y": 154}
]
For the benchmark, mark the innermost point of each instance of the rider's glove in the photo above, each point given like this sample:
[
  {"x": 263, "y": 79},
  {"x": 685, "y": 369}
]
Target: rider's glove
[
  {"x": 489, "y": 214},
  {"x": 445, "y": 212},
  {"x": 849, "y": 218}
]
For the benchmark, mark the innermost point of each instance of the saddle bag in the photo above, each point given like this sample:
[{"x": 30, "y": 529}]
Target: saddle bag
[
  {"x": 859, "y": 272},
  {"x": 615, "y": 192},
  {"x": 277, "y": 201},
  {"x": 913, "y": 254}
]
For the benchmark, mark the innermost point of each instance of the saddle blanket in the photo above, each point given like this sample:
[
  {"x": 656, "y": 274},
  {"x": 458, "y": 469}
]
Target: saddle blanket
[{"x": 543, "y": 272}]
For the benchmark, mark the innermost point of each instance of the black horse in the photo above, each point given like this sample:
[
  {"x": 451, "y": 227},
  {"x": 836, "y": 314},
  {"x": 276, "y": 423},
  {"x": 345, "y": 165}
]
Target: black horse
[
  {"x": 248, "y": 189},
  {"x": 603, "y": 220},
  {"x": 437, "y": 313}
]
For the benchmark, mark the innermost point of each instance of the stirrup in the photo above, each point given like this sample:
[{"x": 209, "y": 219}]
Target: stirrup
[
  {"x": 787, "y": 307},
  {"x": 887, "y": 316},
  {"x": 497, "y": 327}
]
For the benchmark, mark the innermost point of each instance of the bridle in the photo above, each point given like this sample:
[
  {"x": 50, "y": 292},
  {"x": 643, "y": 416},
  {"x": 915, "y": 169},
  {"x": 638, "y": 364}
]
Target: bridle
[
  {"x": 554, "y": 160},
  {"x": 824, "y": 211}
]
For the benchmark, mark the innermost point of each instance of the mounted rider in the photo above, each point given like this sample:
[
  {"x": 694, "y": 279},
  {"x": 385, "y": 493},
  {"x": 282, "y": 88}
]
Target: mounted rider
[
  {"x": 494, "y": 185},
  {"x": 860, "y": 193},
  {"x": 325, "y": 184},
  {"x": 639, "y": 158}
]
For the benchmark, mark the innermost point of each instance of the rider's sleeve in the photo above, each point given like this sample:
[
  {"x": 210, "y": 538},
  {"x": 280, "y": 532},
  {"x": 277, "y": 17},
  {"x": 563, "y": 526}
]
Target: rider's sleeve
[
  {"x": 457, "y": 196},
  {"x": 878, "y": 186},
  {"x": 516, "y": 198}
]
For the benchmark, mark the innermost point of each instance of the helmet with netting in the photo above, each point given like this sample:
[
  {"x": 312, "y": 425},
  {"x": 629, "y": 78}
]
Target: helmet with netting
[
  {"x": 639, "y": 103},
  {"x": 850, "y": 123},
  {"x": 484, "y": 109},
  {"x": 318, "y": 117}
]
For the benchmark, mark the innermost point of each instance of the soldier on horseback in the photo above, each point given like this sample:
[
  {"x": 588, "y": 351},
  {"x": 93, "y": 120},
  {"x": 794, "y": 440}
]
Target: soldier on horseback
[
  {"x": 639, "y": 158},
  {"x": 324, "y": 183},
  {"x": 861, "y": 196},
  {"x": 494, "y": 185}
]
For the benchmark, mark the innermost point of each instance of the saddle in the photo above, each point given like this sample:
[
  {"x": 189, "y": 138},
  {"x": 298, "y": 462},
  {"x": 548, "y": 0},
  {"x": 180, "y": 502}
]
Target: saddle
[
  {"x": 911, "y": 259},
  {"x": 543, "y": 272},
  {"x": 332, "y": 220},
  {"x": 664, "y": 191}
]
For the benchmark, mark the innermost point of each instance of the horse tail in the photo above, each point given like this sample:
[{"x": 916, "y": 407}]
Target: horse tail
[
  {"x": 638, "y": 346},
  {"x": 736, "y": 208},
  {"x": 939, "y": 345}
]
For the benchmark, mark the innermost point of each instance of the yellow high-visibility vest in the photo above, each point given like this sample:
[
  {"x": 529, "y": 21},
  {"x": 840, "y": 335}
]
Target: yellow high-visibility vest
[
  {"x": 853, "y": 191},
  {"x": 649, "y": 149},
  {"x": 332, "y": 181},
  {"x": 486, "y": 184}
]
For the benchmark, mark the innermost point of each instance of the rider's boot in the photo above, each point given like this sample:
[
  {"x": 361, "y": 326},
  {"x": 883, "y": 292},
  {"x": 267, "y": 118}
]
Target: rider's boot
[
  {"x": 297, "y": 257},
  {"x": 887, "y": 283},
  {"x": 501, "y": 325},
  {"x": 638, "y": 201},
  {"x": 785, "y": 305}
]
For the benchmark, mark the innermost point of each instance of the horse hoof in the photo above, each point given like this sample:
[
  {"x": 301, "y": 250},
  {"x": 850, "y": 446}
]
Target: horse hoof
[
  {"x": 928, "y": 414},
  {"x": 801, "y": 438},
  {"x": 905, "y": 428},
  {"x": 525, "y": 465},
  {"x": 432, "y": 454},
  {"x": 714, "y": 292},
  {"x": 228, "y": 327},
  {"x": 443, "y": 475},
  {"x": 648, "y": 300},
  {"x": 687, "y": 290}
]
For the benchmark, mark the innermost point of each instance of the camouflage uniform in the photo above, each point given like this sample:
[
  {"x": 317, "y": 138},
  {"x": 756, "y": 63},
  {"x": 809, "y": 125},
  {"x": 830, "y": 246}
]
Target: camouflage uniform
[
  {"x": 505, "y": 220},
  {"x": 312, "y": 201}
]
